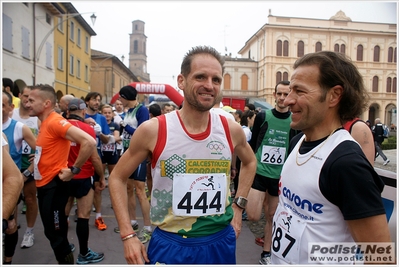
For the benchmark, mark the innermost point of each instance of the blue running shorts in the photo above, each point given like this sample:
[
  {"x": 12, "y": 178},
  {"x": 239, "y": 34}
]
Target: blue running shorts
[{"x": 170, "y": 248}]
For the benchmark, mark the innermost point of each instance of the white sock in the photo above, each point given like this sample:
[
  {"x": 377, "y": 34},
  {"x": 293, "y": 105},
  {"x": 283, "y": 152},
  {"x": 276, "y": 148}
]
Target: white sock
[
  {"x": 98, "y": 215},
  {"x": 132, "y": 222},
  {"x": 29, "y": 230},
  {"x": 148, "y": 228}
]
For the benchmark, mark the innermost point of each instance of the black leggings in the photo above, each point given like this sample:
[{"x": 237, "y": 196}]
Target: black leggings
[
  {"x": 53, "y": 198},
  {"x": 10, "y": 242}
]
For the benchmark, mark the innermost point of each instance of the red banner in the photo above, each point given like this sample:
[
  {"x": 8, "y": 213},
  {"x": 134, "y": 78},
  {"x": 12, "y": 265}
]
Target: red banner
[{"x": 155, "y": 88}]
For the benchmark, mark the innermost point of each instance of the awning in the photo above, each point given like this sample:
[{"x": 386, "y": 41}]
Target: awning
[{"x": 263, "y": 105}]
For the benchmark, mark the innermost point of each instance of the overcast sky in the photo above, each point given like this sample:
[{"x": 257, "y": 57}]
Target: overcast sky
[{"x": 173, "y": 27}]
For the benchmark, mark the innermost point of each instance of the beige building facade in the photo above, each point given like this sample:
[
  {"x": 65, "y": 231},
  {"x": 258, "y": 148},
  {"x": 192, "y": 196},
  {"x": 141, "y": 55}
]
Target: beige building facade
[
  {"x": 108, "y": 75},
  {"x": 277, "y": 44}
]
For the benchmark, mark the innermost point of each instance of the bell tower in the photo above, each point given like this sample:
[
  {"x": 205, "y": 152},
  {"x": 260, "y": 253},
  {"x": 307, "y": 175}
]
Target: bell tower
[{"x": 137, "y": 51}]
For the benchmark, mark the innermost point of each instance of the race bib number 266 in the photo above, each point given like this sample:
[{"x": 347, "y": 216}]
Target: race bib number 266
[{"x": 199, "y": 194}]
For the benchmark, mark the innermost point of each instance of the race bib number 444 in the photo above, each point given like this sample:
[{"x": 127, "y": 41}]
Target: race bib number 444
[{"x": 199, "y": 194}]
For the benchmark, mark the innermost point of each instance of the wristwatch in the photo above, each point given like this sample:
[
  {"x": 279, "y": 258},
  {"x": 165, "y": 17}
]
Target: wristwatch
[
  {"x": 27, "y": 173},
  {"x": 241, "y": 202},
  {"x": 75, "y": 170}
]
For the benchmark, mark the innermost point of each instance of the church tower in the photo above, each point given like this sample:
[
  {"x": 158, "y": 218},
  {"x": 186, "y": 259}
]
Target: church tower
[{"x": 137, "y": 53}]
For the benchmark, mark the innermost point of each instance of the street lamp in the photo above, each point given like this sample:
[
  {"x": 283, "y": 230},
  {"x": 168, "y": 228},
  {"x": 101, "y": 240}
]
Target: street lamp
[
  {"x": 68, "y": 16},
  {"x": 93, "y": 18}
]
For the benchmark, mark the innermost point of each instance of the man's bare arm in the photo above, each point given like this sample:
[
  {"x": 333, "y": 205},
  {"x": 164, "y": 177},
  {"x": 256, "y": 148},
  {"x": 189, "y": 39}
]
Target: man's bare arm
[{"x": 12, "y": 184}]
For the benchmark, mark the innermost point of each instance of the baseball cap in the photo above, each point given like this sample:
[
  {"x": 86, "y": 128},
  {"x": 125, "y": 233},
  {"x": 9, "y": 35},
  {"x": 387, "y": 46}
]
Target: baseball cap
[
  {"x": 76, "y": 104},
  {"x": 128, "y": 92}
]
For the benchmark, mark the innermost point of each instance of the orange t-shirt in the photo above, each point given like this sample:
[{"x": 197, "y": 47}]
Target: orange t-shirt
[{"x": 52, "y": 149}]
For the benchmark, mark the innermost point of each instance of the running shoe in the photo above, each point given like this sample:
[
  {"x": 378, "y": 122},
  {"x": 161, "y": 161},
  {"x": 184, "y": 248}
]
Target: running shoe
[
  {"x": 144, "y": 235},
  {"x": 90, "y": 257},
  {"x": 72, "y": 246},
  {"x": 135, "y": 227},
  {"x": 386, "y": 162},
  {"x": 265, "y": 260},
  {"x": 28, "y": 240},
  {"x": 23, "y": 210},
  {"x": 99, "y": 223}
]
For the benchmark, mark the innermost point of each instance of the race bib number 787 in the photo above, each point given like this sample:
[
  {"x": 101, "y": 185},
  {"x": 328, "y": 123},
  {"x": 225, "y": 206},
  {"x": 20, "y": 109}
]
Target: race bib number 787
[{"x": 286, "y": 235}]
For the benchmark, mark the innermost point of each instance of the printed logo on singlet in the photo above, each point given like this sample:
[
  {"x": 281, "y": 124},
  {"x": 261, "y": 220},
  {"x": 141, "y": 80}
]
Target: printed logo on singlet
[
  {"x": 178, "y": 164},
  {"x": 300, "y": 202},
  {"x": 215, "y": 147}
]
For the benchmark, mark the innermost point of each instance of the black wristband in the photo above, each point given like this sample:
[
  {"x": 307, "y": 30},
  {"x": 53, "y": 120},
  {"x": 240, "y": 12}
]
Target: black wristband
[{"x": 5, "y": 225}]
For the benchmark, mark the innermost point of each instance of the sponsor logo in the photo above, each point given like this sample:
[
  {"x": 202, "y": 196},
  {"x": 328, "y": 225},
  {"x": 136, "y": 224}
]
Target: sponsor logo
[
  {"x": 301, "y": 202},
  {"x": 216, "y": 147}
]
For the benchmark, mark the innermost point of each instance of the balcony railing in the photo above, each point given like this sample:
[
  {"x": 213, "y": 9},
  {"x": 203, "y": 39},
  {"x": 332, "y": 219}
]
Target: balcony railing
[{"x": 239, "y": 93}]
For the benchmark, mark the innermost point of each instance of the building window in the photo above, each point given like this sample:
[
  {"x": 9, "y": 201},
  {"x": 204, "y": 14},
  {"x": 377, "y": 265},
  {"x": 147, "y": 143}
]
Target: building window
[
  {"x": 25, "y": 42},
  {"x": 71, "y": 67},
  {"x": 244, "y": 82},
  {"x": 339, "y": 48},
  {"x": 78, "y": 68},
  {"x": 318, "y": 47},
  {"x": 285, "y": 76},
  {"x": 49, "y": 55},
  {"x": 278, "y": 77},
  {"x": 376, "y": 53},
  {"x": 72, "y": 29},
  {"x": 359, "y": 51},
  {"x": 60, "y": 25},
  {"x": 78, "y": 37},
  {"x": 389, "y": 84},
  {"x": 135, "y": 46},
  {"x": 301, "y": 48},
  {"x": 60, "y": 58},
  {"x": 87, "y": 44},
  {"x": 390, "y": 54},
  {"x": 394, "y": 55},
  {"x": 262, "y": 79},
  {"x": 375, "y": 84},
  {"x": 227, "y": 81},
  {"x": 7, "y": 33},
  {"x": 262, "y": 49},
  {"x": 48, "y": 19},
  {"x": 342, "y": 49},
  {"x": 285, "y": 49},
  {"x": 279, "y": 48},
  {"x": 86, "y": 73},
  {"x": 113, "y": 80}
]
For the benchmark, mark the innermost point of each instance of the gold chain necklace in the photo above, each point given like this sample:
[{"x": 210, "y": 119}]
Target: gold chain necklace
[{"x": 311, "y": 156}]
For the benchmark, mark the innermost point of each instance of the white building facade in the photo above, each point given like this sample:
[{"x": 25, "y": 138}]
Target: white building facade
[{"x": 371, "y": 46}]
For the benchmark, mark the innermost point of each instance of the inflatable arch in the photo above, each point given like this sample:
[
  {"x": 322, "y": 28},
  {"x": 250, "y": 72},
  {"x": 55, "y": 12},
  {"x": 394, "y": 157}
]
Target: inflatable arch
[{"x": 155, "y": 88}]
